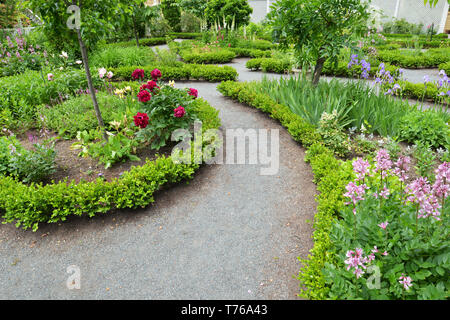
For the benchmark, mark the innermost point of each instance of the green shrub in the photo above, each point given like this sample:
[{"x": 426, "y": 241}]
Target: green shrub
[
  {"x": 251, "y": 53},
  {"x": 270, "y": 65},
  {"x": 413, "y": 59},
  {"x": 184, "y": 72},
  {"x": 425, "y": 127},
  {"x": 34, "y": 165},
  {"x": 445, "y": 66},
  {"x": 215, "y": 56}
]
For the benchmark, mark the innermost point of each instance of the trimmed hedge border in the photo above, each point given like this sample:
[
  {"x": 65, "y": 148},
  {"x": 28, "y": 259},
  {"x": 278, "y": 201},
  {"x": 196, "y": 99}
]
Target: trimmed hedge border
[
  {"x": 220, "y": 56},
  {"x": 269, "y": 65},
  {"x": 27, "y": 206},
  {"x": 209, "y": 73},
  {"x": 142, "y": 42},
  {"x": 329, "y": 175},
  {"x": 185, "y": 35}
]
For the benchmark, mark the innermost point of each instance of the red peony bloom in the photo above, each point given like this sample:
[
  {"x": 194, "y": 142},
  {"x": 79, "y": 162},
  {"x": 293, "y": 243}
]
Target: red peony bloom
[
  {"x": 156, "y": 74},
  {"x": 138, "y": 74},
  {"x": 141, "y": 120},
  {"x": 144, "y": 96},
  {"x": 193, "y": 92},
  {"x": 150, "y": 86},
  {"x": 179, "y": 112}
]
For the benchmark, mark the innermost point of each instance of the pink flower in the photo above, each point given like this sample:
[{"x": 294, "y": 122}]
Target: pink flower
[
  {"x": 402, "y": 167},
  {"x": 144, "y": 96},
  {"x": 360, "y": 167},
  {"x": 383, "y": 225},
  {"x": 384, "y": 162},
  {"x": 355, "y": 259},
  {"x": 138, "y": 74},
  {"x": 384, "y": 193},
  {"x": 109, "y": 75},
  {"x": 50, "y": 77},
  {"x": 156, "y": 74},
  {"x": 355, "y": 193},
  {"x": 441, "y": 186},
  {"x": 385, "y": 253},
  {"x": 420, "y": 193},
  {"x": 405, "y": 281},
  {"x": 375, "y": 249},
  {"x": 179, "y": 112},
  {"x": 193, "y": 92},
  {"x": 101, "y": 72}
]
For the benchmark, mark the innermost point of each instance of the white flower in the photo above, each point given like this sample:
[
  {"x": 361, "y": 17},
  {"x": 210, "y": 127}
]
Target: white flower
[
  {"x": 61, "y": 69},
  {"x": 109, "y": 75},
  {"x": 64, "y": 55},
  {"x": 78, "y": 62},
  {"x": 102, "y": 72}
]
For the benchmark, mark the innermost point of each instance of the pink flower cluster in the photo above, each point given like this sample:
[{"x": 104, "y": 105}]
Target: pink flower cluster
[
  {"x": 405, "y": 281},
  {"x": 420, "y": 193},
  {"x": 441, "y": 186},
  {"x": 402, "y": 167},
  {"x": 384, "y": 163},
  {"x": 361, "y": 168},
  {"x": 355, "y": 193},
  {"x": 356, "y": 260}
]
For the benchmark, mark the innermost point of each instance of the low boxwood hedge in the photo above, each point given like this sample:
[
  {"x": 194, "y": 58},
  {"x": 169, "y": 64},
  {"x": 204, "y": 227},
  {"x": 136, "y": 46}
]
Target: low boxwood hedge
[
  {"x": 429, "y": 59},
  {"x": 142, "y": 42},
  {"x": 29, "y": 205},
  {"x": 330, "y": 175},
  {"x": 212, "y": 57},
  {"x": 209, "y": 73},
  {"x": 269, "y": 65}
]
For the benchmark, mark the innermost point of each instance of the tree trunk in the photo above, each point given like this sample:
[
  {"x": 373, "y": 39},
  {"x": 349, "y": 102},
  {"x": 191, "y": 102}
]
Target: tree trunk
[
  {"x": 136, "y": 35},
  {"x": 90, "y": 85},
  {"x": 318, "y": 70}
]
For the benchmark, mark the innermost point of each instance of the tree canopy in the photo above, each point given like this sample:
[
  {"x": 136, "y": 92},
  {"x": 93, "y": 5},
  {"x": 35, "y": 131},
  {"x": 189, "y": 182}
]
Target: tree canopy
[{"x": 318, "y": 29}]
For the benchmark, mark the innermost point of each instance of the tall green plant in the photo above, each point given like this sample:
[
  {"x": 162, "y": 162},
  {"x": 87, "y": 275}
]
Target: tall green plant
[{"x": 318, "y": 29}]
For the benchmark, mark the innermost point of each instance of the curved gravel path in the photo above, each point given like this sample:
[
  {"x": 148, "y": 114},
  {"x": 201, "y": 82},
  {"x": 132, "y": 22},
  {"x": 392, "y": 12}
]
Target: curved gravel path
[{"x": 230, "y": 234}]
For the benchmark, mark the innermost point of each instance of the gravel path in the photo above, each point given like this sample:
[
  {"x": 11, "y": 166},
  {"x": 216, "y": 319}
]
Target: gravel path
[{"x": 230, "y": 234}]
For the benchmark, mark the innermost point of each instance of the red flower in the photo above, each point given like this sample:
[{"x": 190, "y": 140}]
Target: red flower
[
  {"x": 141, "y": 120},
  {"x": 193, "y": 92},
  {"x": 149, "y": 85},
  {"x": 144, "y": 96},
  {"x": 138, "y": 74},
  {"x": 156, "y": 74},
  {"x": 179, "y": 112}
]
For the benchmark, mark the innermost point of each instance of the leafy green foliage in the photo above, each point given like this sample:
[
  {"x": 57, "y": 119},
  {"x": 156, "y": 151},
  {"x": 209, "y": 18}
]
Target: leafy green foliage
[
  {"x": 34, "y": 165},
  {"x": 172, "y": 14},
  {"x": 160, "y": 110},
  {"x": 418, "y": 248},
  {"x": 207, "y": 55},
  {"x": 113, "y": 57},
  {"x": 425, "y": 126},
  {"x": 317, "y": 29},
  {"x": 77, "y": 114}
]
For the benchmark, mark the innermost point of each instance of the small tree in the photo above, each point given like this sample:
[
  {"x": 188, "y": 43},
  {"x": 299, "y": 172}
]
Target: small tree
[
  {"x": 318, "y": 29},
  {"x": 238, "y": 11},
  {"x": 92, "y": 20}
]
